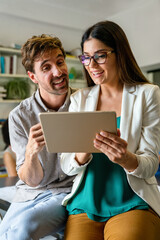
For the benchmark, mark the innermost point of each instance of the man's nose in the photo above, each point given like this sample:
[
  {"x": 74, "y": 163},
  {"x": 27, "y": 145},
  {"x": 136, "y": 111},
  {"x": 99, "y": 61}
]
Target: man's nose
[{"x": 56, "y": 71}]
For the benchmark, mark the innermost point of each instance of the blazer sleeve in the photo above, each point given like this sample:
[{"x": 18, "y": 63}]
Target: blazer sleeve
[
  {"x": 149, "y": 143},
  {"x": 68, "y": 163},
  {"x": 70, "y": 166}
]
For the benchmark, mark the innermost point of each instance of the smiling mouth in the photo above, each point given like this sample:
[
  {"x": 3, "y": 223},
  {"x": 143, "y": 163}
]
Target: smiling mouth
[
  {"x": 97, "y": 73},
  {"x": 58, "y": 81}
]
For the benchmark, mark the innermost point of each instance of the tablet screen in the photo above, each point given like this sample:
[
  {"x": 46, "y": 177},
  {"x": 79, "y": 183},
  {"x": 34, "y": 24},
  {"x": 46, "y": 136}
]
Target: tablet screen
[{"x": 75, "y": 131}]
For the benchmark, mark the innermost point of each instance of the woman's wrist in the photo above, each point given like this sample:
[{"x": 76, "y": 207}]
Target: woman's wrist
[
  {"x": 82, "y": 158},
  {"x": 130, "y": 163}
]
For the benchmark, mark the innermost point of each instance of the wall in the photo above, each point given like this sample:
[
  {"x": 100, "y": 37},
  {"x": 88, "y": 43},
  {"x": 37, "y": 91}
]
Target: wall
[
  {"x": 141, "y": 26},
  {"x": 18, "y": 30}
]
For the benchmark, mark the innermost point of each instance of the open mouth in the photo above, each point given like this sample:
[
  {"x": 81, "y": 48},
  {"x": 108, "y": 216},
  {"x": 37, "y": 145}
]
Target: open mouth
[
  {"x": 59, "y": 82},
  {"x": 97, "y": 74}
]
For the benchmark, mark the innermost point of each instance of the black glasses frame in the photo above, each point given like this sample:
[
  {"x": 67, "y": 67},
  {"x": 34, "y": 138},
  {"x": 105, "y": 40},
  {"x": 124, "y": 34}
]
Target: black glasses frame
[{"x": 89, "y": 58}]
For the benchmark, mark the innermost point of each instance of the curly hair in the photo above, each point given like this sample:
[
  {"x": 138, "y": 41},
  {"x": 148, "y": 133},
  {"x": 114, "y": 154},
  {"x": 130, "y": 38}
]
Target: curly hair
[{"x": 36, "y": 46}]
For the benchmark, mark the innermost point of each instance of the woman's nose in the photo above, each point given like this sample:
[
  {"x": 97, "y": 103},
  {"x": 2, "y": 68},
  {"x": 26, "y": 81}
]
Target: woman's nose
[{"x": 92, "y": 63}]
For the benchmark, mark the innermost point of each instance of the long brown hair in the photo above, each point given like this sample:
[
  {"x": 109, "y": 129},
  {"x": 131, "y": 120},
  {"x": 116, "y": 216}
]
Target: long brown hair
[{"x": 112, "y": 35}]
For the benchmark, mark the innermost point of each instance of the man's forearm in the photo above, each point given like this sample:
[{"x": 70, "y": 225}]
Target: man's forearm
[{"x": 31, "y": 171}]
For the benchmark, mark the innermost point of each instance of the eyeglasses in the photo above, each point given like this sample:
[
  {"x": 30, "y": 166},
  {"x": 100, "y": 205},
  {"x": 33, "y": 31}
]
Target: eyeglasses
[{"x": 99, "y": 57}]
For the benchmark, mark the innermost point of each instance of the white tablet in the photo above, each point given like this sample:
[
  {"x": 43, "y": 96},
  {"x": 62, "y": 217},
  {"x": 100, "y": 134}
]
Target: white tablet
[{"x": 75, "y": 131}]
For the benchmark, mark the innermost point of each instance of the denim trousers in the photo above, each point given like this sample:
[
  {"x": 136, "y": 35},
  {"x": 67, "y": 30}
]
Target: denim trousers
[{"x": 34, "y": 219}]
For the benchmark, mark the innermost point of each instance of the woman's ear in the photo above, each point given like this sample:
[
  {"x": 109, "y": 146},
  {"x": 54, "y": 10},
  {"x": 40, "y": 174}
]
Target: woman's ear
[{"x": 32, "y": 76}]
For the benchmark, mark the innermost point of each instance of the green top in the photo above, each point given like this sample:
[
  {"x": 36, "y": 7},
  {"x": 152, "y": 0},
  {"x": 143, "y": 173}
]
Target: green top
[{"x": 104, "y": 191}]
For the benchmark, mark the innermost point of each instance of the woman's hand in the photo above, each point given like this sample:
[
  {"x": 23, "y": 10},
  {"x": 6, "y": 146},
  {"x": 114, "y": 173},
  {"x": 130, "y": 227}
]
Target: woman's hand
[{"x": 116, "y": 149}]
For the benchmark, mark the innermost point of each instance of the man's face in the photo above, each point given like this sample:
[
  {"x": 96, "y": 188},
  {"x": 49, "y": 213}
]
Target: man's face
[{"x": 51, "y": 73}]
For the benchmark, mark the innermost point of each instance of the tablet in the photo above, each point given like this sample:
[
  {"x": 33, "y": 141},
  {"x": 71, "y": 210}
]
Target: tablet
[{"x": 75, "y": 131}]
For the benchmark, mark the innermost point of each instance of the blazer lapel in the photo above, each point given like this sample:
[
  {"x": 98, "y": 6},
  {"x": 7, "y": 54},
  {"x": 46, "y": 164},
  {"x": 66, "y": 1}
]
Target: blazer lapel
[
  {"x": 92, "y": 99},
  {"x": 128, "y": 99}
]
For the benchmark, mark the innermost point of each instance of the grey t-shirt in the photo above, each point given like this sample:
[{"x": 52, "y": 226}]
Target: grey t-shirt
[{"x": 21, "y": 119}]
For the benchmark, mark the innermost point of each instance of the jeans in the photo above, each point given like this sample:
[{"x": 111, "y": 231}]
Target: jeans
[{"x": 34, "y": 219}]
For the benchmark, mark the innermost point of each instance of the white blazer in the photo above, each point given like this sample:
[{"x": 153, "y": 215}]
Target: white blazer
[{"x": 139, "y": 126}]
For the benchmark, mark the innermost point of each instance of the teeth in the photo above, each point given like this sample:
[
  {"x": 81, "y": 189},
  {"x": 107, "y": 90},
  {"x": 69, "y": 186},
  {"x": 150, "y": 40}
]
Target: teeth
[
  {"x": 57, "y": 82},
  {"x": 96, "y": 73}
]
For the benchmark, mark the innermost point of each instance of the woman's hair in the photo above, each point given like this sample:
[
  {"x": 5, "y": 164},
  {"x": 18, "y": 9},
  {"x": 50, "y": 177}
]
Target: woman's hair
[
  {"x": 36, "y": 46},
  {"x": 112, "y": 35},
  {"x": 5, "y": 133}
]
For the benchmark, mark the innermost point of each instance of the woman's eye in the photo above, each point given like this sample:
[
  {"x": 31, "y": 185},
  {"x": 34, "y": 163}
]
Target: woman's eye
[
  {"x": 101, "y": 56},
  {"x": 86, "y": 57}
]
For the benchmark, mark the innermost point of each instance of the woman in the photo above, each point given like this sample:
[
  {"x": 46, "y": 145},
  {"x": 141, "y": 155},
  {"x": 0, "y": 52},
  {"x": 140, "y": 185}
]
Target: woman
[{"x": 115, "y": 194}]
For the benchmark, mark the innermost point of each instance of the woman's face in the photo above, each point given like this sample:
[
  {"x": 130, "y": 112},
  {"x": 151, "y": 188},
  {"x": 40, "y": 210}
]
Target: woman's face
[{"x": 105, "y": 73}]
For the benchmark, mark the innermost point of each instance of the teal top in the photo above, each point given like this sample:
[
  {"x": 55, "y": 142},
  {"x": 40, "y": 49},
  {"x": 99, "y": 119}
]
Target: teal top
[{"x": 104, "y": 191}]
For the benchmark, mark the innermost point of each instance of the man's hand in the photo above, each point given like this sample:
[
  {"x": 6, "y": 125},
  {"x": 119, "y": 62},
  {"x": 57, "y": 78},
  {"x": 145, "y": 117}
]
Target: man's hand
[
  {"x": 31, "y": 171},
  {"x": 36, "y": 140}
]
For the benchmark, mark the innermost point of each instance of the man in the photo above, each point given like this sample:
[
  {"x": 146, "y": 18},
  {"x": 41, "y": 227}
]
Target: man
[{"x": 36, "y": 210}]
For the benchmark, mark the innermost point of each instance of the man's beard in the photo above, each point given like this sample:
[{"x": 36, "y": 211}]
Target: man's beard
[{"x": 54, "y": 81}]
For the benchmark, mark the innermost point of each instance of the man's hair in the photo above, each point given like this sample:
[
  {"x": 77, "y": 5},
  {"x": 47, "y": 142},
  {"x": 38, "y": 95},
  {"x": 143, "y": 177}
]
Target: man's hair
[{"x": 36, "y": 47}]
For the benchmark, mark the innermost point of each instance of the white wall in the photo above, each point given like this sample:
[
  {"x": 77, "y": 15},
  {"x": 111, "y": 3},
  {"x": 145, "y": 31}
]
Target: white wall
[
  {"x": 141, "y": 26},
  {"x": 17, "y": 30}
]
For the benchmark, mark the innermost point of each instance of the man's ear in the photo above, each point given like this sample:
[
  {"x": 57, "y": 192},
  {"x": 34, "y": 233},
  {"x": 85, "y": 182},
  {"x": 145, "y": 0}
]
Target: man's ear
[{"x": 32, "y": 76}]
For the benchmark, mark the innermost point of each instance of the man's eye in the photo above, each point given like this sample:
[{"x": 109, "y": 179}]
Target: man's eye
[
  {"x": 46, "y": 68},
  {"x": 60, "y": 62}
]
